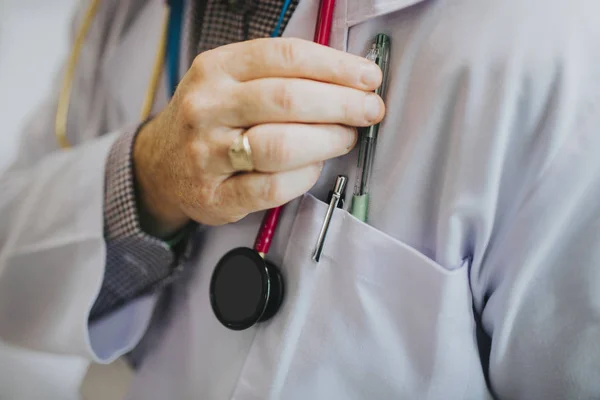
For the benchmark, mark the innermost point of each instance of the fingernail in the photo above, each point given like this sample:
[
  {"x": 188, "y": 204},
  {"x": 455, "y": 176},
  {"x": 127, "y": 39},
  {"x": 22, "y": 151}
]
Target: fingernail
[
  {"x": 372, "y": 107},
  {"x": 370, "y": 75}
]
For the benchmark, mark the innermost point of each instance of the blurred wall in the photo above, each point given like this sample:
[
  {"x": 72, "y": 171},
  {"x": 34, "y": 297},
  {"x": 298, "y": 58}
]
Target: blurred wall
[
  {"x": 33, "y": 43},
  {"x": 33, "y": 40}
]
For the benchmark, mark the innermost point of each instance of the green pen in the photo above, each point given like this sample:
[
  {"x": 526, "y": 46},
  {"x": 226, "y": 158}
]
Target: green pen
[{"x": 380, "y": 54}]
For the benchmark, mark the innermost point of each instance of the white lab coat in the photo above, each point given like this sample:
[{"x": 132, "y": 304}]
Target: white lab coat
[{"x": 484, "y": 221}]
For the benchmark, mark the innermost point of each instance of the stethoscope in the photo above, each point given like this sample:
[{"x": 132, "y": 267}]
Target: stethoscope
[{"x": 245, "y": 287}]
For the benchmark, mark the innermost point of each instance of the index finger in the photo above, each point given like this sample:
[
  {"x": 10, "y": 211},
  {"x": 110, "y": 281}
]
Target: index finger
[{"x": 296, "y": 58}]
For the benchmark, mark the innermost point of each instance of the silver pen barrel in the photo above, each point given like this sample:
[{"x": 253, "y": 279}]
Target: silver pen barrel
[{"x": 338, "y": 190}]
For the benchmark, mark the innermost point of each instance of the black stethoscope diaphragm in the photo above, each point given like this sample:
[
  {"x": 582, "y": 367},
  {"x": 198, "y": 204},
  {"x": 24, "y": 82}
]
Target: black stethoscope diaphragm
[{"x": 245, "y": 289}]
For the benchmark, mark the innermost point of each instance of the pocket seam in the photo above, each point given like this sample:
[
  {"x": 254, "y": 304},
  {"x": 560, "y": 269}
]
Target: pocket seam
[{"x": 347, "y": 220}]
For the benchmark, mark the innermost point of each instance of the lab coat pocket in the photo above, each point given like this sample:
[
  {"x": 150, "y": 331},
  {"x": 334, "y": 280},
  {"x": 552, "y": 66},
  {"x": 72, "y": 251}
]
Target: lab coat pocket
[{"x": 374, "y": 319}]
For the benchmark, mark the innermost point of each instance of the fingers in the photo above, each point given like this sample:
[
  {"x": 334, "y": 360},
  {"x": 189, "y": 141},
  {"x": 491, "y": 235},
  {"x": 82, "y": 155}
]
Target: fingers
[
  {"x": 285, "y": 147},
  {"x": 296, "y": 58},
  {"x": 302, "y": 101},
  {"x": 294, "y": 99},
  {"x": 251, "y": 192}
]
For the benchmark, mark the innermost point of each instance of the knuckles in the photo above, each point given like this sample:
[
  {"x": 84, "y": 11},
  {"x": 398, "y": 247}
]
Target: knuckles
[
  {"x": 287, "y": 49},
  {"x": 276, "y": 191},
  {"x": 188, "y": 108},
  {"x": 272, "y": 190},
  {"x": 340, "y": 68},
  {"x": 200, "y": 153},
  {"x": 199, "y": 106},
  {"x": 284, "y": 98},
  {"x": 276, "y": 150},
  {"x": 350, "y": 112},
  {"x": 200, "y": 64}
]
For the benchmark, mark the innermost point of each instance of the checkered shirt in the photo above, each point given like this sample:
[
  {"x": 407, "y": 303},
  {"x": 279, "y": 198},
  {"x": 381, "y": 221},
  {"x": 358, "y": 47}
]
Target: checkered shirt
[{"x": 137, "y": 263}]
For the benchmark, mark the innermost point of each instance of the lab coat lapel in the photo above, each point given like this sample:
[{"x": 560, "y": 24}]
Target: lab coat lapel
[
  {"x": 362, "y": 10},
  {"x": 347, "y": 14},
  {"x": 302, "y": 24},
  {"x": 130, "y": 64}
]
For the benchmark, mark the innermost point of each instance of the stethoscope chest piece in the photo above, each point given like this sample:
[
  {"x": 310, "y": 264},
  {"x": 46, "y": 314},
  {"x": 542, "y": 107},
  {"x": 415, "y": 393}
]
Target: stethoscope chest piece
[{"x": 245, "y": 289}]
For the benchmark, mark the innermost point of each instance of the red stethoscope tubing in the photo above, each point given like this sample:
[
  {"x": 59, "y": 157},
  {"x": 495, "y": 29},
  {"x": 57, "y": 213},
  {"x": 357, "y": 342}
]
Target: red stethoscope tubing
[
  {"x": 269, "y": 224},
  {"x": 324, "y": 22}
]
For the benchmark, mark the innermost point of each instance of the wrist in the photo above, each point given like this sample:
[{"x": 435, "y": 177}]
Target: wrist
[{"x": 159, "y": 213}]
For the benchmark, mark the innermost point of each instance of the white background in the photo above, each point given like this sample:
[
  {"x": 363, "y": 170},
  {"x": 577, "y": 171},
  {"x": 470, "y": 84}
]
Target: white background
[{"x": 33, "y": 40}]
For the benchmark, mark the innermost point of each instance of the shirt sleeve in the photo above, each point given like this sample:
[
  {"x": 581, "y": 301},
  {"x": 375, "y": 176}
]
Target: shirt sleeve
[{"x": 136, "y": 263}]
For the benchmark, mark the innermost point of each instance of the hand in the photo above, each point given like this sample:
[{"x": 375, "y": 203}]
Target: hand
[{"x": 298, "y": 103}]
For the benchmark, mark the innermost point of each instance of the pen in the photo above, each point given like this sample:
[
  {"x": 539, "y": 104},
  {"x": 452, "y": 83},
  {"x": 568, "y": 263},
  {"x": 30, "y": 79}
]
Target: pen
[
  {"x": 379, "y": 53},
  {"x": 336, "y": 196}
]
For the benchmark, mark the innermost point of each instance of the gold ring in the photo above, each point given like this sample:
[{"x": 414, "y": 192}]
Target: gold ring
[{"x": 240, "y": 154}]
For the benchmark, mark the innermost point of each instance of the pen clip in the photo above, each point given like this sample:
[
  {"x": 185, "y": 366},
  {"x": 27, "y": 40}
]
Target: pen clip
[{"x": 342, "y": 200}]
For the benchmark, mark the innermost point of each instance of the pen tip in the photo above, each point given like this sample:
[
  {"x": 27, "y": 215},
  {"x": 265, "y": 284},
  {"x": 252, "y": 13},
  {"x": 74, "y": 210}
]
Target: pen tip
[{"x": 316, "y": 257}]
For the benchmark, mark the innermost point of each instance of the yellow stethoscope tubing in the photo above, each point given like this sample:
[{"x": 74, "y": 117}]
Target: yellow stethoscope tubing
[{"x": 64, "y": 99}]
